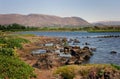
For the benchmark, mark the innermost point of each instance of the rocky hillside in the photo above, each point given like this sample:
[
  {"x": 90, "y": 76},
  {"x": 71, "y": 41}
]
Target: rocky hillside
[{"x": 41, "y": 20}]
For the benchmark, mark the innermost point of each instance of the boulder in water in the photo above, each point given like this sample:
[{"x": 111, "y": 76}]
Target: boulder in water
[{"x": 113, "y": 52}]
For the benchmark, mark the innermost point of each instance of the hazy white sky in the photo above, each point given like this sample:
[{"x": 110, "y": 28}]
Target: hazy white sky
[{"x": 90, "y": 10}]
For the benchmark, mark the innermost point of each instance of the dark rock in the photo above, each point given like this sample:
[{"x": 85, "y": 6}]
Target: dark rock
[
  {"x": 113, "y": 52},
  {"x": 72, "y": 52},
  {"x": 66, "y": 50},
  {"x": 61, "y": 50},
  {"x": 92, "y": 75},
  {"x": 76, "y": 47},
  {"x": 87, "y": 57},
  {"x": 70, "y": 40},
  {"x": 87, "y": 43},
  {"x": 86, "y": 48},
  {"x": 76, "y": 41},
  {"x": 44, "y": 62},
  {"x": 67, "y": 62},
  {"x": 99, "y": 40},
  {"x": 107, "y": 75},
  {"x": 93, "y": 49},
  {"x": 77, "y": 62}
]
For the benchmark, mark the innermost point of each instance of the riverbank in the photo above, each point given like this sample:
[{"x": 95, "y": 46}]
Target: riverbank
[{"x": 38, "y": 42}]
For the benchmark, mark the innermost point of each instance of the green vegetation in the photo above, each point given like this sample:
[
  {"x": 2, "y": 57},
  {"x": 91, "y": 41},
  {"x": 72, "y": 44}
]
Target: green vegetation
[
  {"x": 10, "y": 65},
  {"x": 71, "y": 71},
  {"x": 116, "y": 66},
  {"x": 12, "y": 41},
  {"x": 60, "y": 29},
  {"x": 80, "y": 28},
  {"x": 13, "y": 68},
  {"x": 104, "y": 29},
  {"x": 67, "y": 72},
  {"x": 16, "y": 27}
]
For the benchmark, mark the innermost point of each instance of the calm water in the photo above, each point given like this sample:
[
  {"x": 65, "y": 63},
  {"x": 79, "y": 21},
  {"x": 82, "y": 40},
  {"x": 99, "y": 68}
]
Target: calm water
[{"x": 104, "y": 45}]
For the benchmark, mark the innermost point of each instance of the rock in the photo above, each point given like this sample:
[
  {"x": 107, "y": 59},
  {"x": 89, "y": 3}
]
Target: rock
[
  {"x": 38, "y": 52},
  {"x": 106, "y": 75},
  {"x": 113, "y": 52},
  {"x": 64, "y": 40},
  {"x": 57, "y": 46},
  {"x": 87, "y": 43},
  {"x": 100, "y": 40},
  {"x": 86, "y": 48},
  {"x": 66, "y": 50},
  {"x": 86, "y": 57},
  {"x": 109, "y": 36},
  {"x": 73, "y": 53},
  {"x": 61, "y": 50},
  {"x": 77, "y": 62},
  {"x": 76, "y": 47},
  {"x": 92, "y": 75},
  {"x": 70, "y": 40},
  {"x": 76, "y": 41},
  {"x": 44, "y": 62},
  {"x": 93, "y": 49},
  {"x": 67, "y": 62}
]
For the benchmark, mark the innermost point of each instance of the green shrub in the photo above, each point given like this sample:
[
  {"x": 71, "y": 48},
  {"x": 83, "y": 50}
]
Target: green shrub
[
  {"x": 66, "y": 72},
  {"x": 10, "y": 65},
  {"x": 7, "y": 51},
  {"x": 116, "y": 66},
  {"x": 13, "y": 68},
  {"x": 12, "y": 42}
]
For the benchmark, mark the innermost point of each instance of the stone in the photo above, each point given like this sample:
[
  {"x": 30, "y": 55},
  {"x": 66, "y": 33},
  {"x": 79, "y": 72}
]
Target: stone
[
  {"x": 76, "y": 41},
  {"x": 113, "y": 52},
  {"x": 93, "y": 49},
  {"x": 86, "y": 43}
]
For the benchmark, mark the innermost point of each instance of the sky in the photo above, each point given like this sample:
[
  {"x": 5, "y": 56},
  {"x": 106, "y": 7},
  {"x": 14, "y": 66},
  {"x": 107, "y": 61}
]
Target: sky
[{"x": 90, "y": 10}]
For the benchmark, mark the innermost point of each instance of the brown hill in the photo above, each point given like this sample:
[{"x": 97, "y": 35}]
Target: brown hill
[{"x": 41, "y": 20}]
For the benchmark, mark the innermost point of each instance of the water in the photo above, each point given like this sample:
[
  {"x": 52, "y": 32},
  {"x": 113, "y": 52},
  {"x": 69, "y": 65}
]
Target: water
[
  {"x": 40, "y": 51},
  {"x": 104, "y": 45}
]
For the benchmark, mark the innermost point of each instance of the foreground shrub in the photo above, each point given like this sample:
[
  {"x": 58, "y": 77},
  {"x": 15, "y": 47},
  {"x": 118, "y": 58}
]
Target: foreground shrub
[
  {"x": 67, "y": 72},
  {"x": 7, "y": 51},
  {"x": 13, "y": 68},
  {"x": 105, "y": 71},
  {"x": 12, "y": 42},
  {"x": 116, "y": 66}
]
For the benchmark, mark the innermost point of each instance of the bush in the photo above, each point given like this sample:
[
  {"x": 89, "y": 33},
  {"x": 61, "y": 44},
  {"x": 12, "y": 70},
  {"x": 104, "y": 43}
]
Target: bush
[
  {"x": 83, "y": 71},
  {"x": 7, "y": 51},
  {"x": 116, "y": 66},
  {"x": 66, "y": 72},
  {"x": 10, "y": 65},
  {"x": 13, "y": 68},
  {"x": 12, "y": 42}
]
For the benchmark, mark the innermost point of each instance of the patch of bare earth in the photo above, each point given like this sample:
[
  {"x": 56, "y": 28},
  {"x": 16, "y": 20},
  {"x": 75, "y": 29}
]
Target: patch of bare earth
[{"x": 26, "y": 56}]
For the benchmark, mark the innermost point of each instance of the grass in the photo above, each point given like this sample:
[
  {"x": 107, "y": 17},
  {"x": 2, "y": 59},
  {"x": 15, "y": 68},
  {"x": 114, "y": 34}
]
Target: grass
[
  {"x": 11, "y": 67},
  {"x": 117, "y": 30},
  {"x": 12, "y": 41},
  {"x": 71, "y": 71}
]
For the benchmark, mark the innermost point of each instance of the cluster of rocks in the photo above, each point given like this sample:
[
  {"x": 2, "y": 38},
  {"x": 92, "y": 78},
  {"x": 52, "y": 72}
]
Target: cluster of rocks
[
  {"x": 49, "y": 60},
  {"x": 101, "y": 74},
  {"x": 109, "y": 36}
]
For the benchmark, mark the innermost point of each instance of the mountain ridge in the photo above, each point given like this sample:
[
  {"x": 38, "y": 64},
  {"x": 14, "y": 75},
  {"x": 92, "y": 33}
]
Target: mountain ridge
[{"x": 40, "y": 20}]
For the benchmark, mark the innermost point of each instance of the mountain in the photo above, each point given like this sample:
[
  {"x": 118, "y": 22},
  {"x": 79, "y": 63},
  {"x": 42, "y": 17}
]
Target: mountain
[
  {"x": 107, "y": 23},
  {"x": 40, "y": 20}
]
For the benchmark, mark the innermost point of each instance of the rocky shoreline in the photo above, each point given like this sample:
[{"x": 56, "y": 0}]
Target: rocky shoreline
[
  {"x": 52, "y": 51},
  {"x": 46, "y": 54}
]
